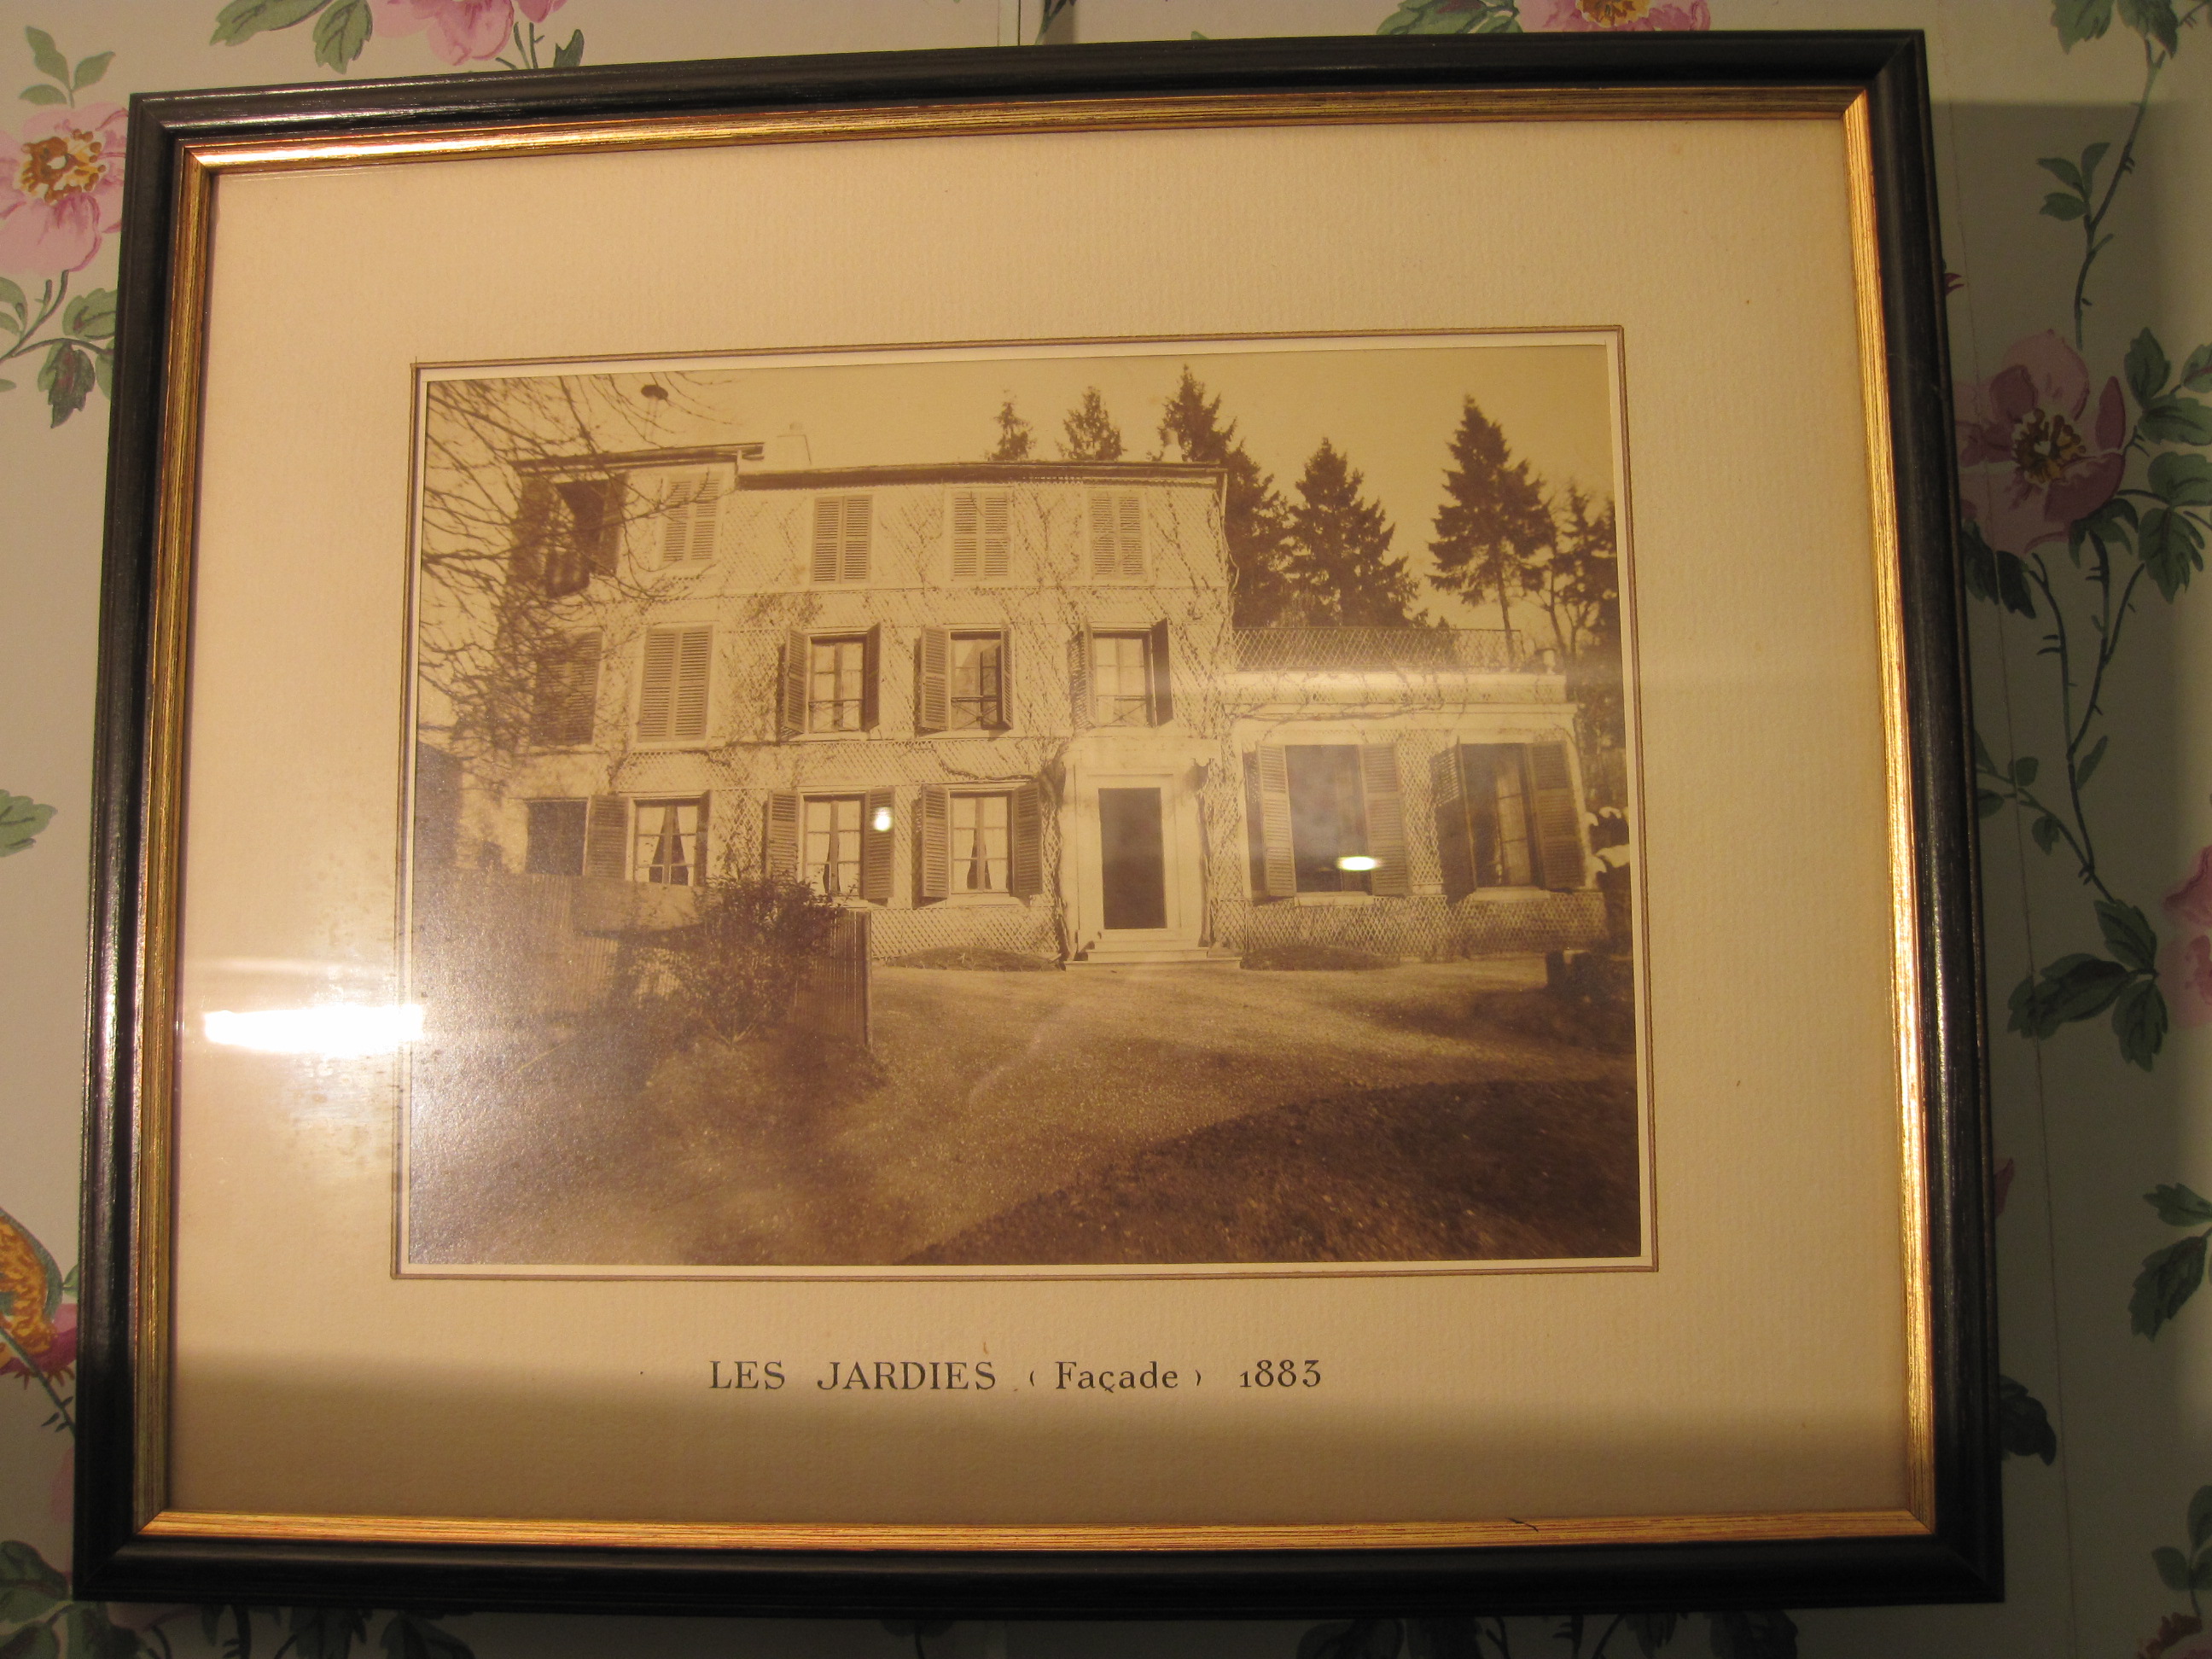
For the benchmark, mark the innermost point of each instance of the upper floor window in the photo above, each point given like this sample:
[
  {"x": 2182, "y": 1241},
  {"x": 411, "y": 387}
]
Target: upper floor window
[
  {"x": 830, "y": 682},
  {"x": 690, "y": 507},
  {"x": 961, "y": 680},
  {"x": 669, "y": 842},
  {"x": 842, "y": 524},
  {"x": 564, "y": 695},
  {"x": 1117, "y": 536},
  {"x": 1122, "y": 679},
  {"x": 567, "y": 532},
  {"x": 981, "y": 534},
  {"x": 672, "y": 690}
]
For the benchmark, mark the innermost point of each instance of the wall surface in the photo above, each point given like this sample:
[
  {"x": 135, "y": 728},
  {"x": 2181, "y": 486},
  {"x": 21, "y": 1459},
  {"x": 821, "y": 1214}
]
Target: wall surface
[{"x": 2099, "y": 876}]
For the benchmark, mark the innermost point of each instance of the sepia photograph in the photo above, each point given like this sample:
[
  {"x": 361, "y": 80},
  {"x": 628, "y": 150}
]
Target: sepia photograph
[{"x": 1116, "y": 807}]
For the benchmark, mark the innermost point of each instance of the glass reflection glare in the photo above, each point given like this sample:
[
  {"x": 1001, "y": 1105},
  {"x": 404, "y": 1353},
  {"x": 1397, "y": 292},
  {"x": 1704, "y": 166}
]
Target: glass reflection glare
[
  {"x": 883, "y": 820},
  {"x": 1358, "y": 861},
  {"x": 334, "y": 1028}
]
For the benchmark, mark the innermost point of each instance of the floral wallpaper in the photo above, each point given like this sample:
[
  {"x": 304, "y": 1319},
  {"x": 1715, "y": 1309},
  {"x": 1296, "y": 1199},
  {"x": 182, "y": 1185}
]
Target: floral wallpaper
[{"x": 2075, "y": 153}]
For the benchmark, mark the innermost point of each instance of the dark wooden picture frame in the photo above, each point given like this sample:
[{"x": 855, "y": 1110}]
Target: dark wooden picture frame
[{"x": 123, "y": 1551}]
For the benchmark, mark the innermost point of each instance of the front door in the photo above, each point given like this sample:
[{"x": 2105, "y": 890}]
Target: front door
[{"x": 1132, "y": 859}]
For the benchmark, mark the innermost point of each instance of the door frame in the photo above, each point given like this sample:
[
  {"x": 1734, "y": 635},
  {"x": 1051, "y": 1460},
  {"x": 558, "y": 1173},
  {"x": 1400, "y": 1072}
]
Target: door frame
[{"x": 1180, "y": 854}]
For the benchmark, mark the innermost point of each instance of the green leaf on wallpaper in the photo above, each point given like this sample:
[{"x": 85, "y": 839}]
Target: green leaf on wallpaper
[
  {"x": 2091, "y": 158},
  {"x": 241, "y": 19},
  {"x": 40, "y": 93},
  {"x": 2023, "y": 1426},
  {"x": 2045, "y": 830},
  {"x": 103, "y": 372},
  {"x": 13, "y": 296},
  {"x": 2147, "y": 367},
  {"x": 2063, "y": 171},
  {"x": 570, "y": 53},
  {"x": 2169, "y": 1278},
  {"x": 94, "y": 1636},
  {"x": 327, "y": 1633},
  {"x": 2154, "y": 20},
  {"x": 2061, "y": 204},
  {"x": 1988, "y": 803},
  {"x": 2087, "y": 765},
  {"x": 1752, "y": 1635},
  {"x": 2172, "y": 549},
  {"x": 67, "y": 377},
  {"x": 46, "y": 55},
  {"x": 1452, "y": 17},
  {"x": 90, "y": 70},
  {"x": 25, "y": 1574},
  {"x": 91, "y": 314},
  {"x": 2073, "y": 988},
  {"x": 21, "y": 818},
  {"x": 32, "y": 1642},
  {"x": 2172, "y": 1567},
  {"x": 2128, "y": 934},
  {"x": 342, "y": 31},
  {"x": 2200, "y": 1519},
  {"x": 2180, "y": 1207},
  {"x": 411, "y": 1637},
  {"x": 2024, "y": 770},
  {"x": 1652, "y": 1630},
  {"x": 2139, "y": 1021},
  {"x": 2105, "y": 526},
  {"x": 2080, "y": 20},
  {"x": 2181, "y": 479},
  {"x": 2176, "y": 420},
  {"x": 2196, "y": 373}
]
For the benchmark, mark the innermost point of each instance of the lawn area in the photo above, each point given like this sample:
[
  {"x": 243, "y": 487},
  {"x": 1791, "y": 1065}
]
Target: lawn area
[{"x": 1020, "y": 1117}]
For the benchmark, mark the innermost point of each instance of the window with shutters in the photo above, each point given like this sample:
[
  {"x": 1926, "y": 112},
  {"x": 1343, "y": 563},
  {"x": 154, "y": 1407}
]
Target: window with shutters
[
  {"x": 1327, "y": 818},
  {"x": 669, "y": 842},
  {"x": 1507, "y": 817},
  {"x": 977, "y": 687},
  {"x": 673, "y": 686},
  {"x": 690, "y": 508},
  {"x": 1122, "y": 679},
  {"x": 981, "y": 537},
  {"x": 1116, "y": 536},
  {"x": 842, "y": 524},
  {"x": 836, "y": 683},
  {"x": 564, "y": 696},
  {"x": 979, "y": 843},
  {"x": 555, "y": 837},
  {"x": 829, "y": 845}
]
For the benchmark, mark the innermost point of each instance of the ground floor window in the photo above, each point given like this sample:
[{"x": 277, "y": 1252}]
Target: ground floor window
[
  {"x": 554, "y": 843},
  {"x": 1507, "y": 816},
  {"x": 1328, "y": 818},
  {"x": 830, "y": 851},
  {"x": 980, "y": 842},
  {"x": 669, "y": 839}
]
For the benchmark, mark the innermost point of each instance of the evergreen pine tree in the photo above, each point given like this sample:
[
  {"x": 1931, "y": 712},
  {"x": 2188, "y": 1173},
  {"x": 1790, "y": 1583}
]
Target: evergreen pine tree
[
  {"x": 1016, "y": 440},
  {"x": 1494, "y": 521},
  {"x": 1341, "y": 569},
  {"x": 1089, "y": 432},
  {"x": 1254, "y": 519}
]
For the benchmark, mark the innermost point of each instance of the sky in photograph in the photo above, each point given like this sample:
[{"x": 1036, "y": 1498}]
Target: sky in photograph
[{"x": 1391, "y": 409}]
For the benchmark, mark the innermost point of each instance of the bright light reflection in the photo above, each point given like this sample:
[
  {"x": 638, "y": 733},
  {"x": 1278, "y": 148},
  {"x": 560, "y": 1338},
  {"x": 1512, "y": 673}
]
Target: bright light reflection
[
  {"x": 334, "y": 1028},
  {"x": 883, "y": 820},
  {"x": 1358, "y": 861}
]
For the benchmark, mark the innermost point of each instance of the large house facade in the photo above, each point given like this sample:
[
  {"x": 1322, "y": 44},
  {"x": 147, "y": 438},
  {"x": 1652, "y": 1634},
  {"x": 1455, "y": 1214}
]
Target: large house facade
[{"x": 1002, "y": 705}]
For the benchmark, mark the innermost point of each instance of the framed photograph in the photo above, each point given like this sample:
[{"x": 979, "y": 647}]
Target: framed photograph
[{"x": 1174, "y": 828}]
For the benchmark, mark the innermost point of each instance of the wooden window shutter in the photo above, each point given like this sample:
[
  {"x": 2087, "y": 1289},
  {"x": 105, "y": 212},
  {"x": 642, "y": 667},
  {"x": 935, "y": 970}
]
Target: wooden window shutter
[
  {"x": 933, "y": 680},
  {"x": 1129, "y": 523},
  {"x": 1278, "y": 868},
  {"x": 1454, "y": 834},
  {"x": 1006, "y": 679},
  {"x": 1557, "y": 831},
  {"x": 933, "y": 842},
  {"x": 790, "y": 713},
  {"x": 872, "y": 677},
  {"x": 1103, "y": 561},
  {"x": 782, "y": 850},
  {"x": 859, "y": 512},
  {"x": 1078, "y": 678},
  {"x": 695, "y": 658},
  {"x": 1163, "y": 681},
  {"x": 877, "y": 806},
  {"x": 967, "y": 536},
  {"x": 567, "y": 693},
  {"x": 829, "y": 521},
  {"x": 1386, "y": 820},
  {"x": 603, "y": 550},
  {"x": 656, "y": 697},
  {"x": 998, "y": 511},
  {"x": 606, "y": 836},
  {"x": 1025, "y": 862},
  {"x": 533, "y": 525}
]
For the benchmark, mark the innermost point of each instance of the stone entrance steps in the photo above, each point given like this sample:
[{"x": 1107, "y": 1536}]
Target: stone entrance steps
[{"x": 1102, "y": 955}]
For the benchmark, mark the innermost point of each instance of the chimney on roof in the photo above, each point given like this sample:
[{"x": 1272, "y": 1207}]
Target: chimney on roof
[{"x": 789, "y": 452}]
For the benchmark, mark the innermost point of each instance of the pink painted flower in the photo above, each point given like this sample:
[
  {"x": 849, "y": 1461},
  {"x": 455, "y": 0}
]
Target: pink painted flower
[
  {"x": 1583, "y": 16},
  {"x": 2192, "y": 900},
  {"x": 2035, "y": 466},
  {"x": 460, "y": 30},
  {"x": 2185, "y": 969},
  {"x": 65, "y": 192}
]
